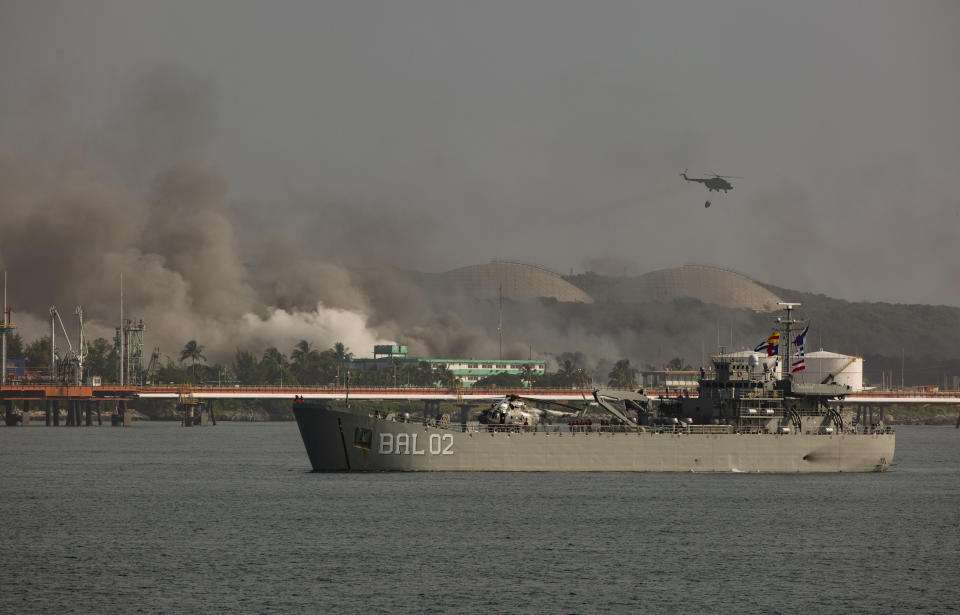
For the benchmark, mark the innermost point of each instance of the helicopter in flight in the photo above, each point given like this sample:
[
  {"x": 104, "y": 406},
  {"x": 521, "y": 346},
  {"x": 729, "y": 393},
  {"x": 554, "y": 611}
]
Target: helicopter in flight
[{"x": 717, "y": 182}]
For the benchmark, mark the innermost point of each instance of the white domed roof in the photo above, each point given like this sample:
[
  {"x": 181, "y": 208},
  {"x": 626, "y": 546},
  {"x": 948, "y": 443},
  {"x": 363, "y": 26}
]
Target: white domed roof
[
  {"x": 707, "y": 284},
  {"x": 518, "y": 282}
]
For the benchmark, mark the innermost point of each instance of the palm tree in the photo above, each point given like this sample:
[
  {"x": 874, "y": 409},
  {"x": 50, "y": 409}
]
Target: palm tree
[
  {"x": 444, "y": 376},
  {"x": 273, "y": 356},
  {"x": 567, "y": 373},
  {"x": 424, "y": 375},
  {"x": 622, "y": 375},
  {"x": 341, "y": 354},
  {"x": 581, "y": 378},
  {"x": 305, "y": 363},
  {"x": 301, "y": 351},
  {"x": 194, "y": 352},
  {"x": 247, "y": 368}
]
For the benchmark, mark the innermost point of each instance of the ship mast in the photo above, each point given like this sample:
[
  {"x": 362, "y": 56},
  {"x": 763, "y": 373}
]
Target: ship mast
[{"x": 785, "y": 343}]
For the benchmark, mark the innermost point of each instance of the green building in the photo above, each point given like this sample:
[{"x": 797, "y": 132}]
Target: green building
[{"x": 467, "y": 371}]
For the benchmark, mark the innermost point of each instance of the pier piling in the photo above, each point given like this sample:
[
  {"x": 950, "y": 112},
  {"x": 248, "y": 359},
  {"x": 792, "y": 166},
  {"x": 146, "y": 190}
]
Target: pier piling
[
  {"x": 9, "y": 416},
  {"x": 464, "y": 412}
]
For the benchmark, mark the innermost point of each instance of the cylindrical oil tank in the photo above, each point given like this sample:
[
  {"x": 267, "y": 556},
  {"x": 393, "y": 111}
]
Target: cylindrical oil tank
[{"x": 832, "y": 367}]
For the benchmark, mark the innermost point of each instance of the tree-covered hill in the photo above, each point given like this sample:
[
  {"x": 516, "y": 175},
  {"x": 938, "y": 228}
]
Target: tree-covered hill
[{"x": 918, "y": 344}]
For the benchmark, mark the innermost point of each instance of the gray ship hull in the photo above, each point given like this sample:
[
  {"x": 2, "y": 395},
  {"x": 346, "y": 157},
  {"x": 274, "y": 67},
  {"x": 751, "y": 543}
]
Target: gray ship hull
[{"x": 338, "y": 440}]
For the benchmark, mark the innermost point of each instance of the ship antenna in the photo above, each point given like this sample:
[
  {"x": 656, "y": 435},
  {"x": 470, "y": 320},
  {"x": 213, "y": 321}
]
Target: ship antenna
[{"x": 785, "y": 344}]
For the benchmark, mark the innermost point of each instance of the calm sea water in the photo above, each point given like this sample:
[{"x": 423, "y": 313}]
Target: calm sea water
[{"x": 157, "y": 518}]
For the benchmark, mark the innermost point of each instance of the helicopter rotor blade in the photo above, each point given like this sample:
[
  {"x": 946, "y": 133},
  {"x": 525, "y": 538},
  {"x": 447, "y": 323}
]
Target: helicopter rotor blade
[{"x": 544, "y": 401}]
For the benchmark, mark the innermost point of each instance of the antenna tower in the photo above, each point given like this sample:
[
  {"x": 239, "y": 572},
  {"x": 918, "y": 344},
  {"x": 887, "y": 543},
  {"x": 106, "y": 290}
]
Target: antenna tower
[
  {"x": 5, "y": 325},
  {"x": 128, "y": 342}
]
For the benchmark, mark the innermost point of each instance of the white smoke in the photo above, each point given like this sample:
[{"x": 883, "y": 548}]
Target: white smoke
[
  {"x": 324, "y": 326},
  {"x": 67, "y": 240}
]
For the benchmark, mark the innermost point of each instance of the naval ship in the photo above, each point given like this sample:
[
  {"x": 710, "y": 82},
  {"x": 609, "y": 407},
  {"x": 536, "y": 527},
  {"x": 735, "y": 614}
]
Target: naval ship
[{"x": 749, "y": 416}]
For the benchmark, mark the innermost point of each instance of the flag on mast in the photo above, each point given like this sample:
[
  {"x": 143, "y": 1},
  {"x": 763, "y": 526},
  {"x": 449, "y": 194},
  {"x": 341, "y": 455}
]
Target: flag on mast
[
  {"x": 799, "y": 364},
  {"x": 771, "y": 345}
]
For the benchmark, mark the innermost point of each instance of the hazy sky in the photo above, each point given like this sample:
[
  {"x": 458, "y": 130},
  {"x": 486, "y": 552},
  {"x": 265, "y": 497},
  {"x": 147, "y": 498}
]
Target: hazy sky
[{"x": 550, "y": 132}]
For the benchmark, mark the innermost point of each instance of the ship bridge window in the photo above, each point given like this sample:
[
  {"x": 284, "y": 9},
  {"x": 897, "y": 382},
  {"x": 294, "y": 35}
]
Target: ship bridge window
[{"x": 362, "y": 437}]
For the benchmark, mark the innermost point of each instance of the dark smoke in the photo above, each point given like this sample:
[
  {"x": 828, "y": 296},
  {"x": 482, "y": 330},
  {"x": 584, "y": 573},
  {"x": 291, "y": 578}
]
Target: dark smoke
[
  {"x": 136, "y": 201},
  {"x": 418, "y": 178}
]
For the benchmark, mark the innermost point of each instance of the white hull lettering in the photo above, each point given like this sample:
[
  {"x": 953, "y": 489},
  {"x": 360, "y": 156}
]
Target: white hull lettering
[
  {"x": 402, "y": 444},
  {"x": 386, "y": 443},
  {"x": 406, "y": 444}
]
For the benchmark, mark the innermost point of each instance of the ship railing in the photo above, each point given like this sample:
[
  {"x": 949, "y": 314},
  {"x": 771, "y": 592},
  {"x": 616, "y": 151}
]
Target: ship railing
[
  {"x": 688, "y": 429},
  {"x": 870, "y": 429},
  {"x": 670, "y": 429},
  {"x": 563, "y": 428},
  {"x": 549, "y": 428},
  {"x": 608, "y": 429},
  {"x": 760, "y": 413}
]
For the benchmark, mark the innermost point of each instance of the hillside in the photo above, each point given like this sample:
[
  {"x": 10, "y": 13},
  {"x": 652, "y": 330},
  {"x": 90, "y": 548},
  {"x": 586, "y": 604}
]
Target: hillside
[{"x": 925, "y": 339}]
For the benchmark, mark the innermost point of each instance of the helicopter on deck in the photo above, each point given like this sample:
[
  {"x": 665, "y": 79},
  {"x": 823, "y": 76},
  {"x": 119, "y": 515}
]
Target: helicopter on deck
[
  {"x": 513, "y": 410},
  {"x": 717, "y": 182}
]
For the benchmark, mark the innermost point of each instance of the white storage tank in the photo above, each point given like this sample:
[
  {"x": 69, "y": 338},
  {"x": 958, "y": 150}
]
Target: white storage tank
[{"x": 840, "y": 368}]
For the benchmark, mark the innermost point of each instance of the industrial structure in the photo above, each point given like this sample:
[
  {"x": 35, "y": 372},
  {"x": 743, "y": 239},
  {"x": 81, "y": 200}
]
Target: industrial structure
[
  {"x": 66, "y": 369},
  {"x": 827, "y": 367},
  {"x": 128, "y": 342},
  {"x": 6, "y": 325}
]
